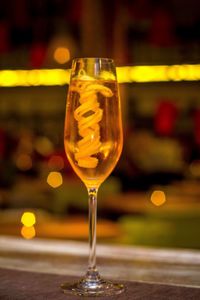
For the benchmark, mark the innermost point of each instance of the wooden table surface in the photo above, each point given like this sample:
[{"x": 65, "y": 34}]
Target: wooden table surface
[{"x": 148, "y": 273}]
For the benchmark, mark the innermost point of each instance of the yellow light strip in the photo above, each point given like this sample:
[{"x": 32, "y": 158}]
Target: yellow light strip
[
  {"x": 159, "y": 73},
  {"x": 44, "y": 77},
  {"x": 53, "y": 77}
]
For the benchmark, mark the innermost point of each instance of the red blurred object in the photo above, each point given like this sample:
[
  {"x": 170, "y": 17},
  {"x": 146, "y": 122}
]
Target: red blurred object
[
  {"x": 19, "y": 13},
  {"x": 38, "y": 55},
  {"x": 197, "y": 126},
  {"x": 75, "y": 14},
  {"x": 165, "y": 118},
  {"x": 2, "y": 144},
  {"x": 4, "y": 37},
  {"x": 162, "y": 29}
]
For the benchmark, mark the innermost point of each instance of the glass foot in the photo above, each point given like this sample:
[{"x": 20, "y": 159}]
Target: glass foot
[{"x": 88, "y": 287}]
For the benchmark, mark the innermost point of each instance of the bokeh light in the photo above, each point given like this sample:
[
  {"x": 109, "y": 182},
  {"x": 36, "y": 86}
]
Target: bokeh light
[
  {"x": 28, "y": 232},
  {"x": 28, "y": 219},
  {"x": 62, "y": 55},
  {"x": 158, "y": 197},
  {"x": 24, "y": 162},
  {"x": 56, "y": 162},
  {"x": 195, "y": 168},
  {"x": 55, "y": 179},
  {"x": 44, "y": 146}
]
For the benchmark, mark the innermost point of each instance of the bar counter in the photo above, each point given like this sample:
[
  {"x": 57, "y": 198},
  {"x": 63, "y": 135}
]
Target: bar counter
[{"x": 34, "y": 269}]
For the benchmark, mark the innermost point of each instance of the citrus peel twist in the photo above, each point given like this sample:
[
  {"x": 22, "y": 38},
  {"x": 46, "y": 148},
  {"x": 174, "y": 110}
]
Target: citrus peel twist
[{"x": 88, "y": 115}]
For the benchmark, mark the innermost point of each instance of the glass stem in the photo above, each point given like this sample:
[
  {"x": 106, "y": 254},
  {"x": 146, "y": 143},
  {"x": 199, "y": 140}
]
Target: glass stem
[{"x": 92, "y": 273}]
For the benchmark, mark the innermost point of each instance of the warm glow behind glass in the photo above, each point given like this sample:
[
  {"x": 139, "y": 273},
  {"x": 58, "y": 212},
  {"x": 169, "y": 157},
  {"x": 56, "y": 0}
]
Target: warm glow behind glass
[{"x": 126, "y": 74}]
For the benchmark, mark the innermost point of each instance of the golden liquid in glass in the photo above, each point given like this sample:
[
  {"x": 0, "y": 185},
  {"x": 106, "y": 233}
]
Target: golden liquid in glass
[{"x": 110, "y": 133}]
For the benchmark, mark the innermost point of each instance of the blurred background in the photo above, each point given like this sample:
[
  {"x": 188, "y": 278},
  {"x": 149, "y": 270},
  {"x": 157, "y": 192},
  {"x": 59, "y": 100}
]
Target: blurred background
[{"x": 152, "y": 197}]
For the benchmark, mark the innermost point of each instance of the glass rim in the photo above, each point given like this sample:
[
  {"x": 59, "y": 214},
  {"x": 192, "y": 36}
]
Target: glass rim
[{"x": 93, "y": 59}]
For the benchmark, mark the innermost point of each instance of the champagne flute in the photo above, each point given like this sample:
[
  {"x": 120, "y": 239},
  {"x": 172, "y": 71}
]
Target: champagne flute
[{"x": 93, "y": 142}]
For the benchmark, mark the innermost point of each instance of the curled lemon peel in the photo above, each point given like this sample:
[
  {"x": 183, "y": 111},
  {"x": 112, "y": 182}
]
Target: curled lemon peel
[{"x": 88, "y": 115}]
